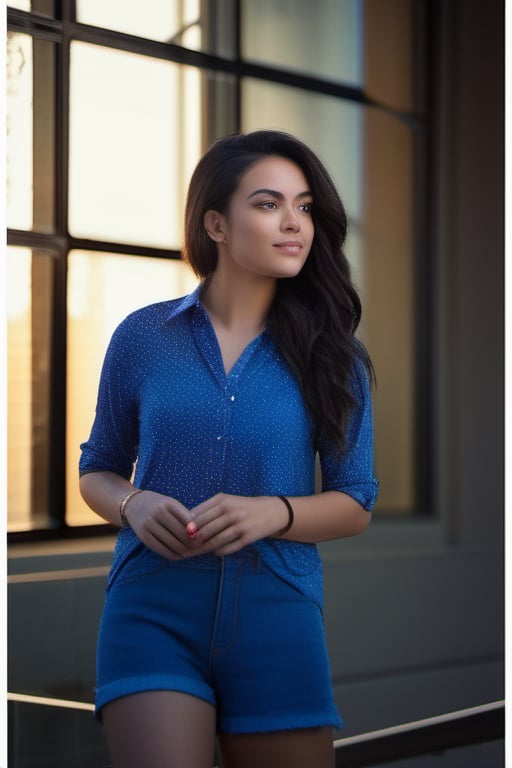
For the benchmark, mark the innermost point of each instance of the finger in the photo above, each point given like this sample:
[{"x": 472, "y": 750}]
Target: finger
[
  {"x": 208, "y": 530},
  {"x": 153, "y": 543},
  {"x": 206, "y": 517},
  {"x": 173, "y": 510},
  {"x": 172, "y": 524},
  {"x": 228, "y": 537},
  {"x": 218, "y": 506},
  {"x": 229, "y": 549},
  {"x": 206, "y": 506},
  {"x": 175, "y": 544}
]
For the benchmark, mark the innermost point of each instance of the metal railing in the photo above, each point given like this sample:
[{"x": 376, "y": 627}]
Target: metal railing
[
  {"x": 422, "y": 737},
  {"x": 431, "y": 735}
]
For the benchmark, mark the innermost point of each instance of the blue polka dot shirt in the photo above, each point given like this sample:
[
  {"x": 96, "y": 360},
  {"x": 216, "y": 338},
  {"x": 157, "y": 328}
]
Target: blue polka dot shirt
[{"x": 170, "y": 418}]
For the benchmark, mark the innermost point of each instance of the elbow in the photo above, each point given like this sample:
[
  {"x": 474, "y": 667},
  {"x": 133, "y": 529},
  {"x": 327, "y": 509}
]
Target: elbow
[
  {"x": 364, "y": 520},
  {"x": 84, "y": 486},
  {"x": 360, "y": 519},
  {"x": 88, "y": 484},
  {"x": 354, "y": 518}
]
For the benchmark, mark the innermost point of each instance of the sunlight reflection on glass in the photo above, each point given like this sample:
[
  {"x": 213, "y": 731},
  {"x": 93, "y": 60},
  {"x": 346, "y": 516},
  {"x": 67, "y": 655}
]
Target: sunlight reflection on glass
[
  {"x": 128, "y": 117},
  {"x": 153, "y": 19},
  {"x": 19, "y": 144},
  {"x": 19, "y": 386}
]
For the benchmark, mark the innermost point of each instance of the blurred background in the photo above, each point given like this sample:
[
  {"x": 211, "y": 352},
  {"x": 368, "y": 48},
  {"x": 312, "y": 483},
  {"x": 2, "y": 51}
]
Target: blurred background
[{"x": 109, "y": 107}]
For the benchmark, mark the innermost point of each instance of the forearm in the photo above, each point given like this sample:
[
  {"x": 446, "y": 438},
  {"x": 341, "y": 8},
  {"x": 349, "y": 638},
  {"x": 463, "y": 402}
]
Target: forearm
[
  {"x": 103, "y": 492},
  {"x": 325, "y": 516}
]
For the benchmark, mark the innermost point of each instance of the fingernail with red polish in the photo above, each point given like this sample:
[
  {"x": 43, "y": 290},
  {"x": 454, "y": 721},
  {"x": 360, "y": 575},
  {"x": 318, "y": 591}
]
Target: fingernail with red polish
[{"x": 191, "y": 529}]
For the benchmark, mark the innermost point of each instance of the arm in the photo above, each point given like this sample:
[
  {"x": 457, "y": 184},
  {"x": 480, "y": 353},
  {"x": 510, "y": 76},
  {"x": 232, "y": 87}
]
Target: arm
[
  {"x": 103, "y": 491},
  {"x": 326, "y": 516},
  {"x": 227, "y": 523},
  {"x": 159, "y": 521}
]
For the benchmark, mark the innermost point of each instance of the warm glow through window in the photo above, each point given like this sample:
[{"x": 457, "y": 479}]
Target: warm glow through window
[{"x": 133, "y": 139}]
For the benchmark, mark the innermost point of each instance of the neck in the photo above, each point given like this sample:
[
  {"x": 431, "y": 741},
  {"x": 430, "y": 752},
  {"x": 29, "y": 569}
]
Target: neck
[{"x": 244, "y": 305}]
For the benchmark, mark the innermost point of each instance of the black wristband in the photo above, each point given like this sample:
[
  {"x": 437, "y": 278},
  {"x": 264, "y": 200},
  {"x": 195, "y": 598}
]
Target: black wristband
[{"x": 291, "y": 516}]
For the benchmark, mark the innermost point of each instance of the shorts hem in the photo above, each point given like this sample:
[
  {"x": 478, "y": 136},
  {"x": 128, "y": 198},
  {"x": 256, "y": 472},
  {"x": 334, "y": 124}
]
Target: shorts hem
[
  {"x": 289, "y": 723},
  {"x": 105, "y": 694}
]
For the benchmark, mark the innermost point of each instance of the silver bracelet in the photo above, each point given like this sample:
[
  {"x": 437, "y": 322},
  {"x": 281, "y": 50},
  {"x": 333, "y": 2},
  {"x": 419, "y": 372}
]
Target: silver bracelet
[{"x": 122, "y": 506}]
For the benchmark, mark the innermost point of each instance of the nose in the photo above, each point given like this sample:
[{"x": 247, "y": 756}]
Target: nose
[{"x": 290, "y": 221}]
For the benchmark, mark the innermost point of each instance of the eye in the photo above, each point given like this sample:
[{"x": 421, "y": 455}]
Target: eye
[
  {"x": 306, "y": 207},
  {"x": 268, "y": 205}
]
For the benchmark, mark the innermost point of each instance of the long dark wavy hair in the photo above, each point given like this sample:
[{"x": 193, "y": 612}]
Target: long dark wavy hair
[{"x": 315, "y": 314}]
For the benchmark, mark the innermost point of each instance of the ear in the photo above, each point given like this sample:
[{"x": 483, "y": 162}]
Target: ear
[{"x": 214, "y": 224}]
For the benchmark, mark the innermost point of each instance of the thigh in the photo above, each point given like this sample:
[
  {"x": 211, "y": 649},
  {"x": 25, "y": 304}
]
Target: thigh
[
  {"x": 160, "y": 729},
  {"x": 301, "y": 748}
]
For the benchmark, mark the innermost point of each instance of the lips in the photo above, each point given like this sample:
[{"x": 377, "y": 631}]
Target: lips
[{"x": 289, "y": 246}]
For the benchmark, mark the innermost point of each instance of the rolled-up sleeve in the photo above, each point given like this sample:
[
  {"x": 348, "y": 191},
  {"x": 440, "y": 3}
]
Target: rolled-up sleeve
[
  {"x": 353, "y": 472},
  {"x": 113, "y": 442}
]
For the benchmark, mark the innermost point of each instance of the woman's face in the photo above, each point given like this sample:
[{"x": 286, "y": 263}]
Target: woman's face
[{"x": 268, "y": 229}]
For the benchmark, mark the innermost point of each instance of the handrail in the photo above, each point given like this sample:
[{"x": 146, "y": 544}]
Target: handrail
[
  {"x": 48, "y": 701},
  {"x": 433, "y": 734}
]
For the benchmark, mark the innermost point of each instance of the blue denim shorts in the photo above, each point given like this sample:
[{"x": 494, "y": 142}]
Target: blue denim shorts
[{"x": 224, "y": 629}]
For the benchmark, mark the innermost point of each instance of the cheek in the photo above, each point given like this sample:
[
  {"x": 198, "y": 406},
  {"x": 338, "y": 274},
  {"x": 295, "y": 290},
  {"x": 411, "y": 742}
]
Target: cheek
[{"x": 249, "y": 229}]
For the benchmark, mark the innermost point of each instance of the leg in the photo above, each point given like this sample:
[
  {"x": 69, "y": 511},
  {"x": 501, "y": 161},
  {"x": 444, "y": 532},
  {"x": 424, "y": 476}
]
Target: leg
[
  {"x": 160, "y": 729},
  {"x": 301, "y": 748}
]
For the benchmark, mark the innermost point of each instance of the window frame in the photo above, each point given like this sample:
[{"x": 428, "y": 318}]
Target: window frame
[{"x": 62, "y": 31}]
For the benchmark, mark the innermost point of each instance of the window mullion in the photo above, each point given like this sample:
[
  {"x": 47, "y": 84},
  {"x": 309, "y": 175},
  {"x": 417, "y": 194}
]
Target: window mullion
[{"x": 57, "y": 484}]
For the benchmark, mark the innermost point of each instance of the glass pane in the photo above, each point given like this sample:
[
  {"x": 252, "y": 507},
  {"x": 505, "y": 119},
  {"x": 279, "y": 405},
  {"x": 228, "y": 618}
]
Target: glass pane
[
  {"x": 41, "y": 7},
  {"x": 30, "y": 133},
  {"x": 335, "y": 134},
  {"x": 102, "y": 290},
  {"x": 29, "y": 301},
  {"x": 323, "y": 39},
  {"x": 389, "y": 319},
  {"x": 390, "y": 53},
  {"x": 19, "y": 131},
  {"x": 152, "y": 19},
  {"x": 134, "y": 140},
  {"x": 23, "y": 5},
  {"x": 44, "y": 136},
  {"x": 370, "y": 156},
  {"x": 190, "y": 23}
]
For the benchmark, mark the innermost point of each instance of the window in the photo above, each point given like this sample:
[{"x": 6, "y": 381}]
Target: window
[{"x": 110, "y": 106}]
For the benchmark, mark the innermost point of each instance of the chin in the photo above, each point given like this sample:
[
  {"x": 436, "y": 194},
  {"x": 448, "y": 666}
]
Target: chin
[{"x": 291, "y": 271}]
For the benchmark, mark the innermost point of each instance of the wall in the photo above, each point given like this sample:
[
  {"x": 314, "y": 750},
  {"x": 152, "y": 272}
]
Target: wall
[{"x": 415, "y": 612}]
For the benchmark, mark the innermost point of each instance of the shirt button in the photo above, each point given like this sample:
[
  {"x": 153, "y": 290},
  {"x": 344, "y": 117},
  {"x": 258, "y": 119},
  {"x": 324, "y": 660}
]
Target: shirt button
[
  {"x": 219, "y": 437},
  {"x": 232, "y": 398}
]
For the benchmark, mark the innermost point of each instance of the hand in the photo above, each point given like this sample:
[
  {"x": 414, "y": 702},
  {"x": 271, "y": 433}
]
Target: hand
[
  {"x": 226, "y": 523},
  {"x": 160, "y": 523}
]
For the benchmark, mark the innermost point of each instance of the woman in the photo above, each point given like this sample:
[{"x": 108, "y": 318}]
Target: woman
[{"x": 211, "y": 411}]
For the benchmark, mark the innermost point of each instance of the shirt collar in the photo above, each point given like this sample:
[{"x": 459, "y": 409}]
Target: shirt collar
[{"x": 179, "y": 306}]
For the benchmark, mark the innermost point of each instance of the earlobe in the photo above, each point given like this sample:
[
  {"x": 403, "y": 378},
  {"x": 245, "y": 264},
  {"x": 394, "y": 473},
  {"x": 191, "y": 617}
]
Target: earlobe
[{"x": 214, "y": 224}]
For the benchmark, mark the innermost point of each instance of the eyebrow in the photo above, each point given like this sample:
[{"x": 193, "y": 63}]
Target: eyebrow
[{"x": 275, "y": 193}]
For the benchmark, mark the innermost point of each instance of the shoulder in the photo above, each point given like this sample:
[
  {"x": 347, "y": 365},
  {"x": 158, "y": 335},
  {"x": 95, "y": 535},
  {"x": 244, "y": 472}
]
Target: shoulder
[
  {"x": 150, "y": 317},
  {"x": 154, "y": 313},
  {"x": 144, "y": 331}
]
